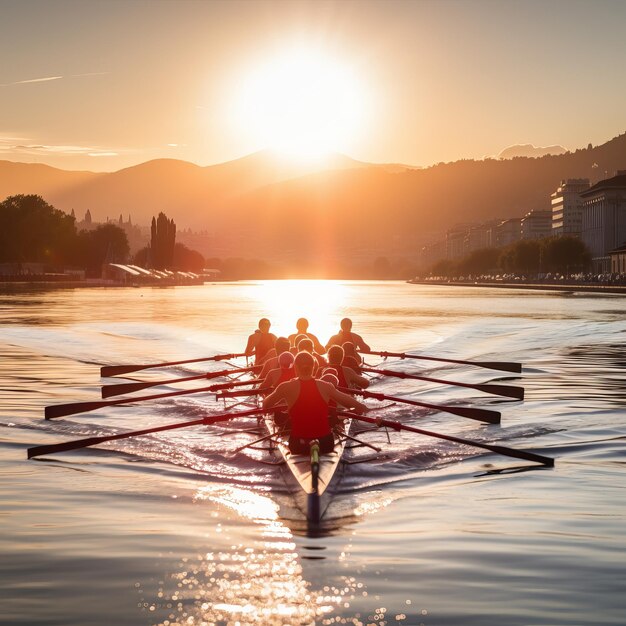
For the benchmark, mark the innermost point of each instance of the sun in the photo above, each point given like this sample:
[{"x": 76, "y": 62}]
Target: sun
[{"x": 302, "y": 102}]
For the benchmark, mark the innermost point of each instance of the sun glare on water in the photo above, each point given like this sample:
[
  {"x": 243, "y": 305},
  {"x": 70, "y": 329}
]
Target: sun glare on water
[
  {"x": 301, "y": 102},
  {"x": 320, "y": 301}
]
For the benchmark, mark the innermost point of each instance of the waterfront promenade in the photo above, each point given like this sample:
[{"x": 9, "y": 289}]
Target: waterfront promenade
[{"x": 539, "y": 286}]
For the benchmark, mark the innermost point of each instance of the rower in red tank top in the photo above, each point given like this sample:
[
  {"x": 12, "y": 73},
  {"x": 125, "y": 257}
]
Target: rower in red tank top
[
  {"x": 282, "y": 373},
  {"x": 307, "y": 401}
]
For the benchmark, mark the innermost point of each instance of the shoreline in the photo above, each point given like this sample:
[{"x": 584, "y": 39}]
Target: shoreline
[
  {"x": 609, "y": 289},
  {"x": 73, "y": 284}
]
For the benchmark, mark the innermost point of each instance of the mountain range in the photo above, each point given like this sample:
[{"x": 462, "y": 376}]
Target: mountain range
[{"x": 263, "y": 205}]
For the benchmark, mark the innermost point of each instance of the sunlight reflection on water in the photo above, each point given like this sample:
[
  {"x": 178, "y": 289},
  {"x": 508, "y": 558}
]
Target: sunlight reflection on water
[{"x": 262, "y": 583}]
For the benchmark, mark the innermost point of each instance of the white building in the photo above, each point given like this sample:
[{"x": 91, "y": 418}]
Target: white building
[
  {"x": 536, "y": 225},
  {"x": 507, "y": 232},
  {"x": 567, "y": 207},
  {"x": 604, "y": 219}
]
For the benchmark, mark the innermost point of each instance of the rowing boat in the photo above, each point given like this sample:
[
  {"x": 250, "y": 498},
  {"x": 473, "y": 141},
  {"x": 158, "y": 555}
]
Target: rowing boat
[{"x": 314, "y": 476}]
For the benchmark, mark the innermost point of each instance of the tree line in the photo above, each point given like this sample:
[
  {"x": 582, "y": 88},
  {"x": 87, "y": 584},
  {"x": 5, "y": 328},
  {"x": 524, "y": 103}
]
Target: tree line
[
  {"x": 31, "y": 230},
  {"x": 565, "y": 255}
]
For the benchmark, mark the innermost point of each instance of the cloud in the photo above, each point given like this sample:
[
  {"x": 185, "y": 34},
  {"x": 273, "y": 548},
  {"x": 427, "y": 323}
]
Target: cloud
[
  {"x": 46, "y": 79},
  {"x": 17, "y": 145},
  {"x": 32, "y": 80}
]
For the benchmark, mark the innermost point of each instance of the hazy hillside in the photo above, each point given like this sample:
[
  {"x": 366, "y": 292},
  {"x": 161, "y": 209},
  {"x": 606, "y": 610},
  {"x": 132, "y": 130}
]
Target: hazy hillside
[
  {"x": 372, "y": 208},
  {"x": 16, "y": 178},
  {"x": 268, "y": 206},
  {"x": 185, "y": 190}
]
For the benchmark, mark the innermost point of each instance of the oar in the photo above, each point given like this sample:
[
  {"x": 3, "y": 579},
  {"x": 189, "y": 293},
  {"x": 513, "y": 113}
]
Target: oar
[
  {"x": 238, "y": 383},
  {"x": 243, "y": 392},
  {"x": 116, "y": 370},
  {"x": 60, "y": 410},
  {"x": 518, "y": 454},
  {"x": 497, "y": 390},
  {"x": 492, "y": 365},
  {"x": 116, "y": 390},
  {"x": 482, "y": 415},
  {"x": 92, "y": 441}
]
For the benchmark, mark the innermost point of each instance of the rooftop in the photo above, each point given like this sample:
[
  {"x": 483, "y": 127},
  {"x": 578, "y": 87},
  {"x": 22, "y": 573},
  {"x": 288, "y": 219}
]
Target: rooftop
[{"x": 616, "y": 182}]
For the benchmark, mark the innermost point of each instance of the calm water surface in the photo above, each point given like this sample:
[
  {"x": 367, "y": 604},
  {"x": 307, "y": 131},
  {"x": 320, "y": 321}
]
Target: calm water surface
[{"x": 178, "y": 528}]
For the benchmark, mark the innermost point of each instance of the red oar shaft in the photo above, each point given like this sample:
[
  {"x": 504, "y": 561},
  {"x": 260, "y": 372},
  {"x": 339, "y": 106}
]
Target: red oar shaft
[
  {"x": 498, "y": 390},
  {"x": 518, "y": 454},
  {"x": 482, "y": 415},
  {"x": 72, "y": 408},
  {"x": 493, "y": 365},
  {"x": 115, "y": 370},
  {"x": 92, "y": 441},
  {"x": 118, "y": 389}
]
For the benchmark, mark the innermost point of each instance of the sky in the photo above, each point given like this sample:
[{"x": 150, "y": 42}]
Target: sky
[{"x": 102, "y": 85}]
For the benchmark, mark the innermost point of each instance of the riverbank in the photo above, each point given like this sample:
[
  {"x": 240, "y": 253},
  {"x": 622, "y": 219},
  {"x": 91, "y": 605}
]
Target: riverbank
[
  {"x": 615, "y": 289},
  {"x": 74, "y": 284}
]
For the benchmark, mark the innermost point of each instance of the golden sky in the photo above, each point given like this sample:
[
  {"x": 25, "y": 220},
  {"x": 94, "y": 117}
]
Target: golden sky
[{"x": 104, "y": 85}]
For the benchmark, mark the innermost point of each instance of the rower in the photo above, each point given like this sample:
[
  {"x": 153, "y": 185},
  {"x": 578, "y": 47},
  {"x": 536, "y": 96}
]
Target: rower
[
  {"x": 307, "y": 401},
  {"x": 260, "y": 342},
  {"x": 351, "y": 357},
  {"x": 346, "y": 334},
  {"x": 348, "y": 378},
  {"x": 271, "y": 359},
  {"x": 306, "y": 345},
  {"x": 302, "y": 326},
  {"x": 282, "y": 373},
  {"x": 295, "y": 345}
]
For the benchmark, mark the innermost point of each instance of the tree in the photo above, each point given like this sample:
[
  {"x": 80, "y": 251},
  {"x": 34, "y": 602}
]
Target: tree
[
  {"x": 480, "y": 261},
  {"x": 162, "y": 241},
  {"x": 187, "y": 260},
  {"x": 564, "y": 254},
  {"x": 523, "y": 257},
  {"x": 105, "y": 244},
  {"x": 142, "y": 257},
  {"x": 445, "y": 267},
  {"x": 33, "y": 230}
]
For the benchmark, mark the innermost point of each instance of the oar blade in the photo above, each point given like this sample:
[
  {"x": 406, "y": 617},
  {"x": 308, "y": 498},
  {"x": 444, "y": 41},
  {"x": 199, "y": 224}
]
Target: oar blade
[
  {"x": 61, "y": 410},
  {"x": 117, "y": 370},
  {"x": 503, "y": 366},
  {"x": 524, "y": 455},
  {"x": 108, "y": 391},
  {"x": 63, "y": 447},
  {"x": 481, "y": 415},
  {"x": 508, "y": 391}
]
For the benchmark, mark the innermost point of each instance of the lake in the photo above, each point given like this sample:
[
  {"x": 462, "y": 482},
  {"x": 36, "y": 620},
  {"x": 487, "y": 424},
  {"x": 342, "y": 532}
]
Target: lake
[{"x": 179, "y": 528}]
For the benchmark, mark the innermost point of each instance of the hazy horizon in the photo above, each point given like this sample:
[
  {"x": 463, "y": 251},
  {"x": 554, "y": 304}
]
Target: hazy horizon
[{"x": 103, "y": 86}]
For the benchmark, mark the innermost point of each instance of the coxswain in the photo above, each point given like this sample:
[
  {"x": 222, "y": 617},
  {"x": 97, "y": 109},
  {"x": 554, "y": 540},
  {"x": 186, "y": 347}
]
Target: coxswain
[
  {"x": 308, "y": 401},
  {"x": 346, "y": 334},
  {"x": 271, "y": 359},
  {"x": 348, "y": 378},
  {"x": 260, "y": 342},
  {"x": 302, "y": 326}
]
